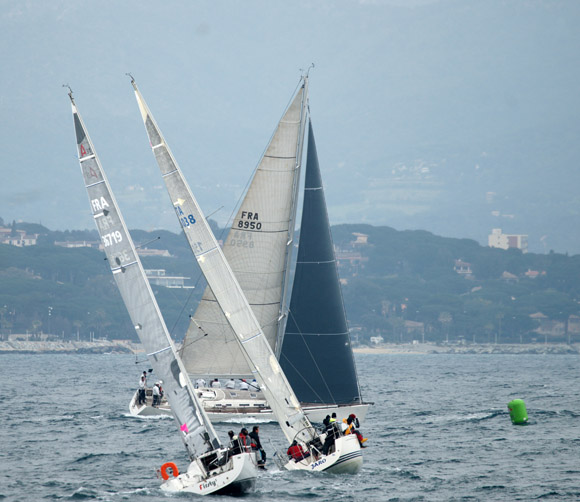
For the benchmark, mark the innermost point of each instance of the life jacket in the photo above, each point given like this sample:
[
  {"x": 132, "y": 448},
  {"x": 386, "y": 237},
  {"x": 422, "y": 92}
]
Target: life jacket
[
  {"x": 296, "y": 452},
  {"x": 349, "y": 427}
]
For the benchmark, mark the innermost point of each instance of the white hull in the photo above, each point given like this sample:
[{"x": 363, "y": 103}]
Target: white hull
[
  {"x": 254, "y": 410},
  {"x": 346, "y": 458},
  {"x": 236, "y": 477}
]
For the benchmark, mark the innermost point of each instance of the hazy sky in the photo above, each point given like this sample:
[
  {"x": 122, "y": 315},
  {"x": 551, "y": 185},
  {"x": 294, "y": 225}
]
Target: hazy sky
[{"x": 454, "y": 116}]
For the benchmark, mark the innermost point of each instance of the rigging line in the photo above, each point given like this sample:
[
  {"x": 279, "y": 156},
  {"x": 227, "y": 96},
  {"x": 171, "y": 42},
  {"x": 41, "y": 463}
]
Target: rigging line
[
  {"x": 205, "y": 333},
  {"x": 313, "y": 359},
  {"x": 305, "y": 381},
  {"x": 148, "y": 242},
  {"x": 183, "y": 307}
]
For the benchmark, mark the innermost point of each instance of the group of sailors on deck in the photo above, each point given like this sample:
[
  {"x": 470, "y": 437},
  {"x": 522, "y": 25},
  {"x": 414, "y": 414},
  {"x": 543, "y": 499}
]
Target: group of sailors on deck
[
  {"x": 156, "y": 391},
  {"x": 333, "y": 429},
  {"x": 247, "y": 441},
  {"x": 230, "y": 384}
]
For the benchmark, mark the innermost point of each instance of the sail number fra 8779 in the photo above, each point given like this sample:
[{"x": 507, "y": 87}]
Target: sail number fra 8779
[{"x": 112, "y": 238}]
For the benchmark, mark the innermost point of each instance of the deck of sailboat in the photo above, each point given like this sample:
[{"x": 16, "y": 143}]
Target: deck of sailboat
[{"x": 235, "y": 405}]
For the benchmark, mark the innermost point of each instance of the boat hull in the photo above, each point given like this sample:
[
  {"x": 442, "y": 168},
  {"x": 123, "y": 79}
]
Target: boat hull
[
  {"x": 237, "y": 477},
  {"x": 315, "y": 412},
  {"x": 347, "y": 458}
]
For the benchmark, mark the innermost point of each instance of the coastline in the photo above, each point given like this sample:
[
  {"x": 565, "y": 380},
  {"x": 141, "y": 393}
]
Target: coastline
[
  {"x": 504, "y": 348},
  {"x": 128, "y": 347},
  {"x": 71, "y": 347}
]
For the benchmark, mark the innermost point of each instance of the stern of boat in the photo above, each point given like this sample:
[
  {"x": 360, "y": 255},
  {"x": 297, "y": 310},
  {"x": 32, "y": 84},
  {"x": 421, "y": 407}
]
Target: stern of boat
[
  {"x": 236, "y": 477},
  {"x": 346, "y": 458}
]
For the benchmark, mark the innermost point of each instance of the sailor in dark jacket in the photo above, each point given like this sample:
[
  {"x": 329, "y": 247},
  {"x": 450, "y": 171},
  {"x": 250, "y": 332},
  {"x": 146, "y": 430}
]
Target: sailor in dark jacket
[{"x": 255, "y": 435}]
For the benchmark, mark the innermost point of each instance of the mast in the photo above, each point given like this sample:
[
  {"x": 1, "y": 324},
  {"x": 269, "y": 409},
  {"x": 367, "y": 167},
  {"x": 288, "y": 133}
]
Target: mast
[
  {"x": 226, "y": 288},
  {"x": 196, "y": 430}
]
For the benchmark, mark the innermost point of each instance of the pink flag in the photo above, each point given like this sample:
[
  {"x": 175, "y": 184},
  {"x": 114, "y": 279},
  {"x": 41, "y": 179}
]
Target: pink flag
[{"x": 185, "y": 429}]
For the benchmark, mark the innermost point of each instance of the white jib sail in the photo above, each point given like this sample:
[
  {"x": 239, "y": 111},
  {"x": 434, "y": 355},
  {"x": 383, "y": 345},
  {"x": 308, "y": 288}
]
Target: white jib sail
[
  {"x": 257, "y": 250},
  {"x": 226, "y": 289},
  {"x": 196, "y": 430}
]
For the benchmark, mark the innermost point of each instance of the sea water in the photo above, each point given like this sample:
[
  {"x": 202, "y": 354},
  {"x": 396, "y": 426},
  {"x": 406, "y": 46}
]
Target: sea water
[{"x": 439, "y": 429}]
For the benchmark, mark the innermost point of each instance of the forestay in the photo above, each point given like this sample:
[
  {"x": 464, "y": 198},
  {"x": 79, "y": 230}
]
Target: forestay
[
  {"x": 256, "y": 249},
  {"x": 196, "y": 430},
  {"x": 226, "y": 289}
]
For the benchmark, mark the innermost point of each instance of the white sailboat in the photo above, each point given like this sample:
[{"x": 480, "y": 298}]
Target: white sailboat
[
  {"x": 213, "y": 469},
  {"x": 310, "y": 346},
  {"x": 345, "y": 454}
]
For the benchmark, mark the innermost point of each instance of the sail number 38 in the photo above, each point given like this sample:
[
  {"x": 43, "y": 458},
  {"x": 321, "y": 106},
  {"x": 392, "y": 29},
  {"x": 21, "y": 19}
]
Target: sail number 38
[{"x": 186, "y": 221}]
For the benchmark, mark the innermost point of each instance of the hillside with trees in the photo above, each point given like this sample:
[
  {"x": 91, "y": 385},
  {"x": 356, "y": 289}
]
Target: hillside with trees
[
  {"x": 419, "y": 277},
  {"x": 398, "y": 285}
]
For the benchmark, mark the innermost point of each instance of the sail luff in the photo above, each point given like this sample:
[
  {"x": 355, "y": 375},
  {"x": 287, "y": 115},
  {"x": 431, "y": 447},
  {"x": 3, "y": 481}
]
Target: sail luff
[
  {"x": 196, "y": 430},
  {"x": 226, "y": 289},
  {"x": 283, "y": 313}
]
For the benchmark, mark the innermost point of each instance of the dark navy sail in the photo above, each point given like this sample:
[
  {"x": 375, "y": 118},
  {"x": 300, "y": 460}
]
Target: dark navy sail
[{"x": 316, "y": 352}]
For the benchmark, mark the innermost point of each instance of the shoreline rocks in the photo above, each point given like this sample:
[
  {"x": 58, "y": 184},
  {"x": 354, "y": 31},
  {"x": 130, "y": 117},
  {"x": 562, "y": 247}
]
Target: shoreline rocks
[
  {"x": 428, "y": 348},
  {"x": 70, "y": 347}
]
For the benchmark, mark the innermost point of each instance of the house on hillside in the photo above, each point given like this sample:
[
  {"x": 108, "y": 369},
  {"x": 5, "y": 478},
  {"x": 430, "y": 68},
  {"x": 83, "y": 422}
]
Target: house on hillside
[
  {"x": 462, "y": 268},
  {"x": 377, "y": 340},
  {"x": 547, "y": 326},
  {"x": 509, "y": 277},
  {"x": 507, "y": 241},
  {"x": 159, "y": 278},
  {"x": 351, "y": 260},
  {"x": 17, "y": 238},
  {"x": 78, "y": 244}
]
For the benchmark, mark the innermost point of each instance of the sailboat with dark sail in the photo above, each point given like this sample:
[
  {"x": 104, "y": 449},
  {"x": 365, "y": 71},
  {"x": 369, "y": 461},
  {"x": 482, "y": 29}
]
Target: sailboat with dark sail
[
  {"x": 310, "y": 334},
  {"x": 212, "y": 468},
  {"x": 345, "y": 454}
]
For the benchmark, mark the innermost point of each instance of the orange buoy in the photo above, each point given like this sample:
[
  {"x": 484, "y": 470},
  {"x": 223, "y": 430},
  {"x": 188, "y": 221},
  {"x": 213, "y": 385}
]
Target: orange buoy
[{"x": 169, "y": 465}]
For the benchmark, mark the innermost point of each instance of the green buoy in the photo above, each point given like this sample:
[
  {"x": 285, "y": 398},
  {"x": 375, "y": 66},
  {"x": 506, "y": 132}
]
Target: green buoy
[{"x": 518, "y": 412}]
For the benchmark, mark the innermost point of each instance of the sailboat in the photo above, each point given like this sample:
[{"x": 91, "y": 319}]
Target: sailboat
[
  {"x": 345, "y": 456},
  {"x": 213, "y": 469},
  {"x": 311, "y": 337}
]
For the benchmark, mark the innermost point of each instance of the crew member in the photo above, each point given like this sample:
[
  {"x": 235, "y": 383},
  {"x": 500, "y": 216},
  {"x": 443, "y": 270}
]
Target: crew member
[
  {"x": 296, "y": 452},
  {"x": 255, "y": 436},
  {"x": 156, "y": 395},
  {"x": 142, "y": 386}
]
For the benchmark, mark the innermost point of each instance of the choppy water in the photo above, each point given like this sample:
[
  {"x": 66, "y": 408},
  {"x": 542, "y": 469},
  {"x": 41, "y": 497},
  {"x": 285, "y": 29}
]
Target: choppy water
[{"x": 439, "y": 430}]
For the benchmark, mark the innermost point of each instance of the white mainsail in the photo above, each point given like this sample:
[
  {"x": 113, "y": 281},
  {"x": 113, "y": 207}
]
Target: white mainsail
[
  {"x": 196, "y": 430},
  {"x": 227, "y": 290},
  {"x": 257, "y": 250}
]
